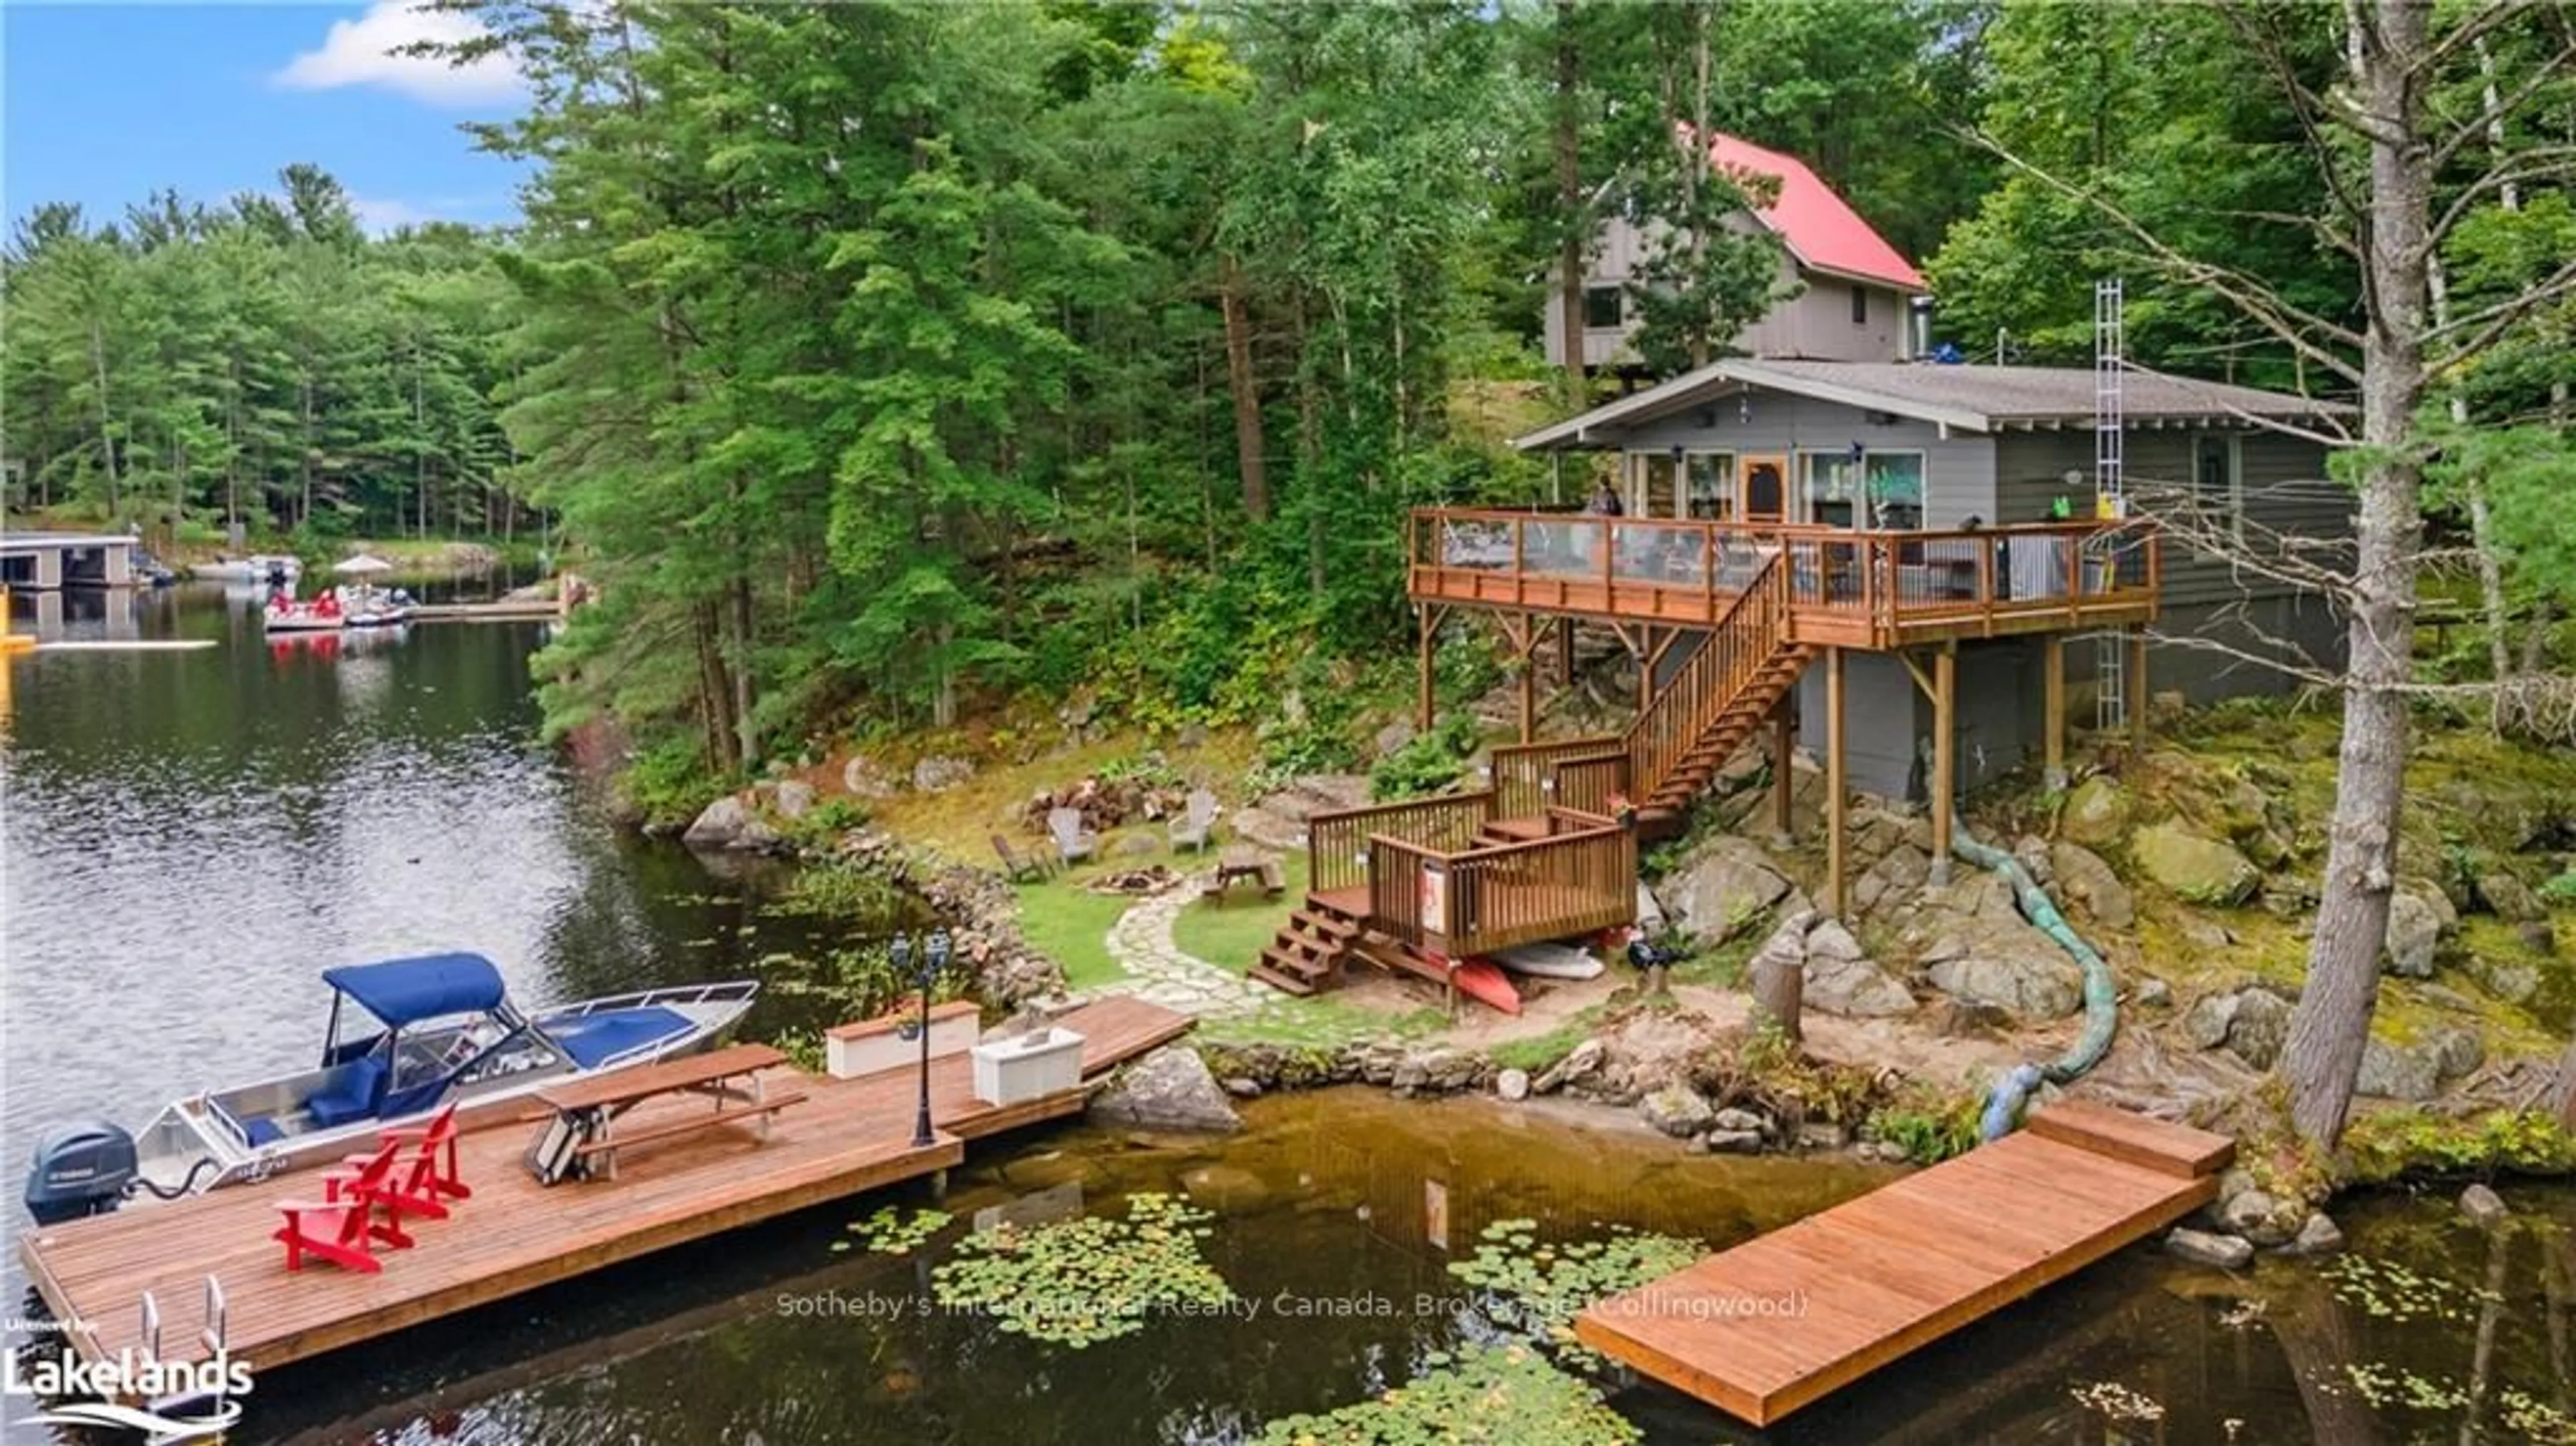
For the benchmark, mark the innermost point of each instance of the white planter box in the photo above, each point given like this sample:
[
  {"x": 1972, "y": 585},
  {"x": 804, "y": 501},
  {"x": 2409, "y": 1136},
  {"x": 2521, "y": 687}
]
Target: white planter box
[
  {"x": 1027, "y": 1067},
  {"x": 876, "y": 1045}
]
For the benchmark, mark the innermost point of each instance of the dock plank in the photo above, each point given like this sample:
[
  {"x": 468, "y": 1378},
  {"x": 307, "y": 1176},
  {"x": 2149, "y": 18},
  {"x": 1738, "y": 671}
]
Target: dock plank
[
  {"x": 1888, "y": 1272},
  {"x": 516, "y": 1235}
]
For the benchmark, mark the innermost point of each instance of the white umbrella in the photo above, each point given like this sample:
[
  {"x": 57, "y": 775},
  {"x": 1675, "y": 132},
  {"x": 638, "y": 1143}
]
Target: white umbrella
[{"x": 361, "y": 565}]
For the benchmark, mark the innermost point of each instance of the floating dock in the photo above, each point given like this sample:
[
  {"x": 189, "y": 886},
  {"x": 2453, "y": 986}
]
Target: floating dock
[
  {"x": 501, "y": 610},
  {"x": 1772, "y": 1325},
  {"x": 515, "y": 1235}
]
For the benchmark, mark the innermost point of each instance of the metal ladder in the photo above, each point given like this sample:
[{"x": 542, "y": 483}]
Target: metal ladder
[{"x": 2110, "y": 493}]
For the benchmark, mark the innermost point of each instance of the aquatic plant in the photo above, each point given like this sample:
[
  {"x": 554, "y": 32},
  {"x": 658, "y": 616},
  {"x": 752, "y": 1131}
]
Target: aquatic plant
[
  {"x": 2117, "y": 1402},
  {"x": 1497, "y": 1395},
  {"x": 1079, "y": 1282},
  {"x": 1535, "y": 1290},
  {"x": 2386, "y": 1290},
  {"x": 890, "y": 1232},
  {"x": 2384, "y": 1385}
]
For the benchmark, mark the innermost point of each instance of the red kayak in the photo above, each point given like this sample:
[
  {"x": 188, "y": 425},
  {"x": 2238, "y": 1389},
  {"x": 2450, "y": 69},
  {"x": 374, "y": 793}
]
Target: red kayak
[{"x": 1480, "y": 979}]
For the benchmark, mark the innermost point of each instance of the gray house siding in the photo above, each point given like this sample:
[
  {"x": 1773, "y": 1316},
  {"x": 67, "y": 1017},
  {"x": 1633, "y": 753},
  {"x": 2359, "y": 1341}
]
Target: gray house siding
[
  {"x": 1814, "y": 322},
  {"x": 1958, "y": 470},
  {"x": 1887, "y": 722}
]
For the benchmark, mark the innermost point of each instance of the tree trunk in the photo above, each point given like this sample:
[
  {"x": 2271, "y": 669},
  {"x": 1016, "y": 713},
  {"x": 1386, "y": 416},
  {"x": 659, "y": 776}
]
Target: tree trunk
[
  {"x": 106, "y": 440},
  {"x": 715, "y": 691},
  {"x": 1569, "y": 200},
  {"x": 1693, "y": 165},
  {"x": 304, "y": 517},
  {"x": 745, "y": 729},
  {"x": 2332, "y": 1022},
  {"x": 1779, "y": 993},
  {"x": 1247, "y": 395}
]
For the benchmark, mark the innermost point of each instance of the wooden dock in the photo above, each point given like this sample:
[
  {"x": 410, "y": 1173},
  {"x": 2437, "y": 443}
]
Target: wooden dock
[
  {"x": 503, "y": 610},
  {"x": 1772, "y": 1325},
  {"x": 515, "y": 1235}
]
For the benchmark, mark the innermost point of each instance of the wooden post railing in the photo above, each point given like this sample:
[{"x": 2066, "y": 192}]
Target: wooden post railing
[
  {"x": 1508, "y": 894},
  {"x": 1585, "y": 785},
  {"x": 1523, "y": 772},
  {"x": 1337, "y": 842},
  {"x": 1396, "y": 872},
  {"x": 1745, "y": 637}
]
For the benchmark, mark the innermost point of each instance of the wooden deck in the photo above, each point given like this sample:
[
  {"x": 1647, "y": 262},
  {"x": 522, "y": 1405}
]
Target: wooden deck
[
  {"x": 1845, "y": 588},
  {"x": 1772, "y": 1325},
  {"x": 516, "y": 1235}
]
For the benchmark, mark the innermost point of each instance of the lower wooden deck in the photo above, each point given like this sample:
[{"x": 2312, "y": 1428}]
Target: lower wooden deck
[
  {"x": 515, "y": 1235},
  {"x": 1772, "y": 1325}
]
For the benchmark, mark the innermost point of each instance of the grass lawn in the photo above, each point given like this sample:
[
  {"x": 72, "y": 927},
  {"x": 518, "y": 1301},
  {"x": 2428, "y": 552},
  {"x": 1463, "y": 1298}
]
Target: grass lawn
[
  {"x": 1231, "y": 934},
  {"x": 1070, "y": 925}
]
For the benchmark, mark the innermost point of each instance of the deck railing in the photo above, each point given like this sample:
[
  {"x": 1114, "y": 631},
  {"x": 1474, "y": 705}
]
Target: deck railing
[
  {"x": 1749, "y": 631},
  {"x": 1457, "y": 903},
  {"x": 1685, "y": 571},
  {"x": 1337, "y": 843},
  {"x": 1592, "y": 784},
  {"x": 1526, "y": 775}
]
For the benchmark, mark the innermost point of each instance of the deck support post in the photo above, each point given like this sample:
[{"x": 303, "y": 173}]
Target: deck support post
[
  {"x": 1945, "y": 755},
  {"x": 1426, "y": 620},
  {"x": 2053, "y": 724},
  {"x": 1784, "y": 777},
  {"x": 1529, "y": 698},
  {"x": 1565, "y": 651},
  {"x": 2138, "y": 692},
  {"x": 1837, "y": 862}
]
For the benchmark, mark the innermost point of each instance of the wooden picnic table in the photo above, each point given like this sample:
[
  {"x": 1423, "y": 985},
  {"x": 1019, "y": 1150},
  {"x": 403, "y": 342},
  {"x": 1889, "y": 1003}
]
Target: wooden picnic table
[
  {"x": 583, "y": 1137},
  {"x": 1243, "y": 861}
]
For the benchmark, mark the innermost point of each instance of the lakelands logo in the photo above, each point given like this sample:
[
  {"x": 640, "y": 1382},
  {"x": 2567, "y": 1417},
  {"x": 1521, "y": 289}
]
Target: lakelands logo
[{"x": 209, "y": 1386}]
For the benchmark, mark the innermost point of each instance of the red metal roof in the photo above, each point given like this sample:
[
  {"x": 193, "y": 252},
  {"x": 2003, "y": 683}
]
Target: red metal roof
[{"x": 1820, "y": 229}]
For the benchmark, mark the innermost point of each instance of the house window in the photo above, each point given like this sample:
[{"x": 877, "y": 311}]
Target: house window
[
  {"x": 1865, "y": 489},
  {"x": 1709, "y": 489},
  {"x": 1860, "y": 306},
  {"x": 2218, "y": 476},
  {"x": 1601, "y": 307}
]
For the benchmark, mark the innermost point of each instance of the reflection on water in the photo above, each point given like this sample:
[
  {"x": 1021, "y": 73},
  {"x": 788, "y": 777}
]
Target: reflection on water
[{"x": 190, "y": 836}]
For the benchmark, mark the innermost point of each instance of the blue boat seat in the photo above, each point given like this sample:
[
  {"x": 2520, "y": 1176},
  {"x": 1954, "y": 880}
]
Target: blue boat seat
[
  {"x": 262, "y": 1131},
  {"x": 592, "y": 1039},
  {"x": 351, "y": 1097}
]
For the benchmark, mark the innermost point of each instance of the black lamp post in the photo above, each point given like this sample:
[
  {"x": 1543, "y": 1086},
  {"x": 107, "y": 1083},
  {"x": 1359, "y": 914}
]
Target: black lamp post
[{"x": 934, "y": 961}]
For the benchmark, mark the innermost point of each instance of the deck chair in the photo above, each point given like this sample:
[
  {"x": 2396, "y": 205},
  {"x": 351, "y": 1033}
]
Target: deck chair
[
  {"x": 1016, "y": 866},
  {"x": 342, "y": 1227},
  {"x": 1194, "y": 826},
  {"x": 1072, "y": 840},
  {"x": 424, "y": 1179}
]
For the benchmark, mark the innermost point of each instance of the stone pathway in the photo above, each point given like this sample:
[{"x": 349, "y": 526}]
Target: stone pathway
[{"x": 1160, "y": 973}]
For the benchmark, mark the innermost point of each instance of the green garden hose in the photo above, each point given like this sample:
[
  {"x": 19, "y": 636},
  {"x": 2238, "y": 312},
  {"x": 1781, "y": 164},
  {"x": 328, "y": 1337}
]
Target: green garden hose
[{"x": 2101, "y": 991}]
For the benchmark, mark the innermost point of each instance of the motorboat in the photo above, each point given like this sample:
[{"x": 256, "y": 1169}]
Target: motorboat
[
  {"x": 368, "y": 606},
  {"x": 275, "y": 568},
  {"x": 407, "y": 1038}
]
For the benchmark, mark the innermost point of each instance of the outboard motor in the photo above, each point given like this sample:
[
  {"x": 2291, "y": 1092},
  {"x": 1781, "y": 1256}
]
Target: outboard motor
[{"x": 81, "y": 1169}]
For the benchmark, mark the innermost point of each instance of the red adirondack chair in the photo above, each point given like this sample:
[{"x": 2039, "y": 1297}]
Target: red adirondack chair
[
  {"x": 342, "y": 1226},
  {"x": 424, "y": 1180}
]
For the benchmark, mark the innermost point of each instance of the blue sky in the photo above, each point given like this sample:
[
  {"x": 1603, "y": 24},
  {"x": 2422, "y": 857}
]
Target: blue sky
[{"x": 101, "y": 103}]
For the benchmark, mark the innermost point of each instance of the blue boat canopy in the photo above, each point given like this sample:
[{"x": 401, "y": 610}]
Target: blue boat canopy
[{"x": 401, "y": 991}]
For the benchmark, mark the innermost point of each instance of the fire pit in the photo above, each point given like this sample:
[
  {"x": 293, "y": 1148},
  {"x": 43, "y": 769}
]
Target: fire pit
[{"x": 1150, "y": 880}]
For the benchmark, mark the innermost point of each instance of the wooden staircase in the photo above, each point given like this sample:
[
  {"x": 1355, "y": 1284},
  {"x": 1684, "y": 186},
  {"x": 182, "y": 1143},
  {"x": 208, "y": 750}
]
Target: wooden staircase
[
  {"x": 1716, "y": 700},
  {"x": 1309, "y": 950}
]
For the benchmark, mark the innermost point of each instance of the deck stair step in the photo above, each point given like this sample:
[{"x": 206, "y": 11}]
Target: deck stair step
[
  {"x": 2168, "y": 1149},
  {"x": 1308, "y": 951}
]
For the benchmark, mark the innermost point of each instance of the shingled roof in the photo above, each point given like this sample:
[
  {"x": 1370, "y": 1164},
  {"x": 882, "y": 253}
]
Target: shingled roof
[{"x": 1969, "y": 398}]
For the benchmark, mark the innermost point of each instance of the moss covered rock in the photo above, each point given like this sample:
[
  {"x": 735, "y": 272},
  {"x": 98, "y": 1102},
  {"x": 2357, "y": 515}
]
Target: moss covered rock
[
  {"x": 2097, "y": 813},
  {"x": 2192, "y": 866}
]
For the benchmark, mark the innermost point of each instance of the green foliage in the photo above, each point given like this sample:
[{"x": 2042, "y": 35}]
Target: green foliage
[
  {"x": 1428, "y": 763},
  {"x": 1928, "y": 1128},
  {"x": 2387, "y": 1144},
  {"x": 890, "y": 1231},
  {"x": 670, "y": 784},
  {"x": 1504, "y": 1396},
  {"x": 833, "y": 817},
  {"x": 1534, "y": 1290},
  {"x": 2560, "y": 888},
  {"x": 1079, "y": 1282},
  {"x": 1540, "y": 1052},
  {"x": 842, "y": 892},
  {"x": 1764, "y": 1071}
]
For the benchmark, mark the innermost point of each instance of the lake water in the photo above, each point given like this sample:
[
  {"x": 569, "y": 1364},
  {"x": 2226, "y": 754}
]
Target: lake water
[{"x": 190, "y": 837}]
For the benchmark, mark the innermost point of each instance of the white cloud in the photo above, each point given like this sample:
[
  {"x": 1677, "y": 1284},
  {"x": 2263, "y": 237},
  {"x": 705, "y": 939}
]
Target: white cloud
[
  {"x": 358, "y": 52},
  {"x": 378, "y": 217}
]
